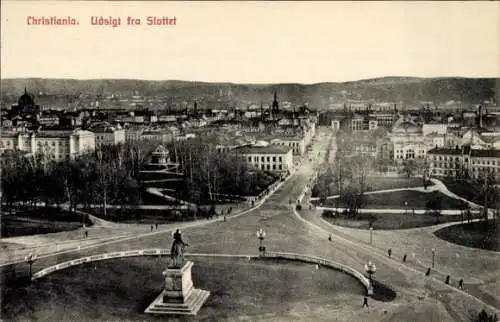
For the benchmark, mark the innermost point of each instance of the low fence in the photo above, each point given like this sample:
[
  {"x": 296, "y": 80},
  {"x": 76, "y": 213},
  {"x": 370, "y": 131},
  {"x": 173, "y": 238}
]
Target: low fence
[{"x": 325, "y": 262}]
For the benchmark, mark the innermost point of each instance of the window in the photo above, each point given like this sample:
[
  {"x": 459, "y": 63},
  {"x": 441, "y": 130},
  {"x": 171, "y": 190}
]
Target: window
[
  {"x": 274, "y": 166},
  {"x": 280, "y": 159},
  {"x": 262, "y": 159},
  {"x": 268, "y": 167},
  {"x": 274, "y": 159},
  {"x": 280, "y": 167},
  {"x": 249, "y": 159},
  {"x": 268, "y": 159}
]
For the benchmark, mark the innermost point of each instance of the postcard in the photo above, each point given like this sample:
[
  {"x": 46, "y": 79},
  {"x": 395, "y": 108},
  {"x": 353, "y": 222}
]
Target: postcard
[{"x": 245, "y": 160}]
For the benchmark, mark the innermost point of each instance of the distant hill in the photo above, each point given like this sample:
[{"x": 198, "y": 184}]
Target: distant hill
[{"x": 388, "y": 89}]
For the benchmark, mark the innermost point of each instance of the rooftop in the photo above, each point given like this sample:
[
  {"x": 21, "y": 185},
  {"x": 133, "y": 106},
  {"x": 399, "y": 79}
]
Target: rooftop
[
  {"x": 485, "y": 153},
  {"x": 270, "y": 149},
  {"x": 445, "y": 151}
]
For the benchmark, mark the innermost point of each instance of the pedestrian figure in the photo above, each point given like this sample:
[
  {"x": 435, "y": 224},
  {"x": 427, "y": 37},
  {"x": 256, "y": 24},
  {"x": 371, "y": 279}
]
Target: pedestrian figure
[
  {"x": 461, "y": 284},
  {"x": 428, "y": 272},
  {"x": 330, "y": 237},
  {"x": 365, "y": 302},
  {"x": 156, "y": 225},
  {"x": 447, "y": 281},
  {"x": 404, "y": 258},
  {"x": 151, "y": 227},
  {"x": 224, "y": 217},
  {"x": 389, "y": 252},
  {"x": 86, "y": 234}
]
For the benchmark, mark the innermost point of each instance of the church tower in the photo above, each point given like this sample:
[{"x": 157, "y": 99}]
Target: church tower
[{"x": 275, "y": 106}]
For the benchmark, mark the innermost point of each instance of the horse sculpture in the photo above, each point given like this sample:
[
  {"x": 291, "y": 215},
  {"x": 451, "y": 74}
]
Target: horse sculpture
[{"x": 177, "y": 250}]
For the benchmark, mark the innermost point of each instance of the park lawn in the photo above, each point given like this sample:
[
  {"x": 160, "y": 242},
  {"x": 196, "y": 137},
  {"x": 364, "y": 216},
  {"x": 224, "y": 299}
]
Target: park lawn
[
  {"x": 26, "y": 222},
  {"x": 141, "y": 216},
  {"x": 156, "y": 216},
  {"x": 397, "y": 199},
  {"x": 482, "y": 234},
  {"x": 383, "y": 183},
  {"x": 469, "y": 190},
  {"x": 121, "y": 289},
  {"x": 389, "y": 221}
]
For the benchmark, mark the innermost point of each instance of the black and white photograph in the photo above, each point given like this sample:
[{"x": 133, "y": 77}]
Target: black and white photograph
[{"x": 250, "y": 161}]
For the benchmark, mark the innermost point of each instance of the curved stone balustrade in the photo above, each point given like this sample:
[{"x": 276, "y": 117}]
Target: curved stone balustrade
[
  {"x": 165, "y": 252},
  {"x": 325, "y": 262}
]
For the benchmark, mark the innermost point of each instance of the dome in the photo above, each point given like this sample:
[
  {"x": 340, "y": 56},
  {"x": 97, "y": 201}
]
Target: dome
[
  {"x": 26, "y": 99},
  {"x": 407, "y": 128},
  {"x": 261, "y": 143}
]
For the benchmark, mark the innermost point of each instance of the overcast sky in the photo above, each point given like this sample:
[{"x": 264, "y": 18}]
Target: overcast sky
[{"x": 254, "y": 42}]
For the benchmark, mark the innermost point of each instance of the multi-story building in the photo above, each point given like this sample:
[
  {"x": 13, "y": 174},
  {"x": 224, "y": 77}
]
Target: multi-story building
[
  {"x": 133, "y": 134},
  {"x": 384, "y": 119},
  {"x": 408, "y": 142},
  {"x": 58, "y": 145},
  {"x": 105, "y": 134},
  {"x": 274, "y": 158},
  {"x": 465, "y": 161},
  {"x": 483, "y": 162},
  {"x": 296, "y": 143},
  {"x": 160, "y": 135}
]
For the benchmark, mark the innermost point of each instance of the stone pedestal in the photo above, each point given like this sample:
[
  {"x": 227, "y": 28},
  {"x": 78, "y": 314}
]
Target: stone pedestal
[{"x": 179, "y": 295}]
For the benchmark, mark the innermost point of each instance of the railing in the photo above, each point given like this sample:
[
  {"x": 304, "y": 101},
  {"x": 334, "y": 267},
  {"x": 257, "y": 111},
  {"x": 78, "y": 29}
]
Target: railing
[{"x": 325, "y": 262}]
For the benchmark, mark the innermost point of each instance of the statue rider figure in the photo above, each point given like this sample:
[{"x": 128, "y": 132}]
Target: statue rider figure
[{"x": 177, "y": 250}]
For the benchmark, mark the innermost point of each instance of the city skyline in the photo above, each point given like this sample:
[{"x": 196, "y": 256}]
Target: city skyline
[{"x": 293, "y": 42}]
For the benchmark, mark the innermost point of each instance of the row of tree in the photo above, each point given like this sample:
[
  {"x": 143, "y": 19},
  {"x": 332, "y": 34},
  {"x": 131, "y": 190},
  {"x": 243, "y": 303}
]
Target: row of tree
[
  {"x": 347, "y": 178},
  {"x": 105, "y": 176},
  {"x": 111, "y": 175}
]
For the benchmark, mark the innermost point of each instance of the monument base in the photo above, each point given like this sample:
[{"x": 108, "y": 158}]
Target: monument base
[{"x": 179, "y": 295}]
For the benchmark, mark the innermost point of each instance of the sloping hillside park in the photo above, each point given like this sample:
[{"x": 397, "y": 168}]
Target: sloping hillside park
[{"x": 40, "y": 220}]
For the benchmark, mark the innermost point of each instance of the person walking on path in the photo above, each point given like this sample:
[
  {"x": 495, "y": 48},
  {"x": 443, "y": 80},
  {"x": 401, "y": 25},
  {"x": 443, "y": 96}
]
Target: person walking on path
[
  {"x": 461, "y": 284},
  {"x": 330, "y": 237},
  {"x": 151, "y": 227},
  {"x": 389, "y": 252},
  {"x": 365, "y": 302},
  {"x": 156, "y": 225},
  {"x": 86, "y": 233}
]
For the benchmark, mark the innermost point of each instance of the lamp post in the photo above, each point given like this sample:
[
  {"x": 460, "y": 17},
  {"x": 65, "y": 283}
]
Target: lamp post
[
  {"x": 370, "y": 269},
  {"x": 30, "y": 259},
  {"x": 433, "y": 256},
  {"x": 261, "y": 234},
  {"x": 371, "y": 235}
]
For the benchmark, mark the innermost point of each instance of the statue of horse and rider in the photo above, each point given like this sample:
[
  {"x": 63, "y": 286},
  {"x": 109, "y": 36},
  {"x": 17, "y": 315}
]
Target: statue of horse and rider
[{"x": 177, "y": 250}]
